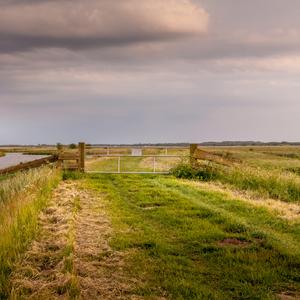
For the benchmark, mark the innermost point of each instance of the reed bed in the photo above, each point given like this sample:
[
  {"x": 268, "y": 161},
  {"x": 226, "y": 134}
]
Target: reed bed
[{"x": 22, "y": 197}]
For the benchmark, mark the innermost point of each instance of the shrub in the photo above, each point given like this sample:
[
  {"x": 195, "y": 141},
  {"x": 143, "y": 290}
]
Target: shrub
[
  {"x": 201, "y": 172},
  {"x": 183, "y": 171},
  {"x": 72, "y": 175}
]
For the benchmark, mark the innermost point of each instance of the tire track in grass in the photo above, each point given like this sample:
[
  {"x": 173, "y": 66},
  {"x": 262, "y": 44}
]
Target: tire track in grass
[
  {"x": 71, "y": 258},
  {"x": 40, "y": 274},
  {"x": 97, "y": 266}
]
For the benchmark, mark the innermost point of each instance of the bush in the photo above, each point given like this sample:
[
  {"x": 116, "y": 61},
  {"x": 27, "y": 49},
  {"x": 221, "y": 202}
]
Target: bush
[
  {"x": 183, "y": 171},
  {"x": 201, "y": 172},
  {"x": 72, "y": 146},
  {"x": 72, "y": 175}
]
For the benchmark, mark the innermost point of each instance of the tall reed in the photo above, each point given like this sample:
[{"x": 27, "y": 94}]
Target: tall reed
[
  {"x": 22, "y": 197},
  {"x": 267, "y": 183}
]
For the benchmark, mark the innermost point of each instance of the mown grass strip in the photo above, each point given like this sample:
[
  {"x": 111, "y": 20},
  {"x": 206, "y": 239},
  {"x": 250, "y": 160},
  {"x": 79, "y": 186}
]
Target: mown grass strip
[{"x": 179, "y": 241}]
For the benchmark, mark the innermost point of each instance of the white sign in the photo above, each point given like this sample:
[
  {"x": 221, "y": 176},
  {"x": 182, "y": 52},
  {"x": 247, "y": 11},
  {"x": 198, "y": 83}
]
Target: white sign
[{"x": 136, "y": 152}]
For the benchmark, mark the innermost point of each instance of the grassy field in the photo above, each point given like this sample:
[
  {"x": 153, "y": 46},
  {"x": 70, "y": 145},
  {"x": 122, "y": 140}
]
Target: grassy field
[
  {"x": 281, "y": 158},
  {"x": 185, "y": 242},
  {"x": 136, "y": 164},
  {"x": 258, "y": 170},
  {"x": 220, "y": 232}
]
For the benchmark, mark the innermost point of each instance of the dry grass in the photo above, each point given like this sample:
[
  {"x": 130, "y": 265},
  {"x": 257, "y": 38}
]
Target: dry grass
[
  {"x": 22, "y": 199},
  {"x": 72, "y": 258},
  {"x": 284, "y": 210},
  {"x": 22, "y": 182}
]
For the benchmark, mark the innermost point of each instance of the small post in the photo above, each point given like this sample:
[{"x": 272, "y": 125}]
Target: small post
[
  {"x": 154, "y": 164},
  {"x": 81, "y": 162},
  {"x": 59, "y": 147},
  {"x": 119, "y": 164},
  {"x": 193, "y": 148}
]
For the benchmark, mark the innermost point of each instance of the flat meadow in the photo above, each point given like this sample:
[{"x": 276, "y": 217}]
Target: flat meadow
[{"x": 218, "y": 230}]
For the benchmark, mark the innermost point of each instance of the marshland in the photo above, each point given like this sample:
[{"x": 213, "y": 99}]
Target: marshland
[{"x": 225, "y": 227}]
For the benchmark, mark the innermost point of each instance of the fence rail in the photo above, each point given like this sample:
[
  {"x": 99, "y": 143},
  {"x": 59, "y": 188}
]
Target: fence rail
[{"x": 29, "y": 165}]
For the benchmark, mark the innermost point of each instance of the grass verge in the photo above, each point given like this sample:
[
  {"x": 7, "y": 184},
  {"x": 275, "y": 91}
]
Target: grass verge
[
  {"x": 266, "y": 183},
  {"x": 22, "y": 197}
]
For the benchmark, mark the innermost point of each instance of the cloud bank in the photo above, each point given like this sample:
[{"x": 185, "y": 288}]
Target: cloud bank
[
  {"x": 97, "y": 23},
  {"x": 149, "y": 70}
]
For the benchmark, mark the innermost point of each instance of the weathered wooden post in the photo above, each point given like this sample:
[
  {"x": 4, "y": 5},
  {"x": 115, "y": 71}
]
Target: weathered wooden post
[
  {"x": 59, "y": 147},
  {"x": 81, "y": 148},
  {"x": 193, "y": 160}
]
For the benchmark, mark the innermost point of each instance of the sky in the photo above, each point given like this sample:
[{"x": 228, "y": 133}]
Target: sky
[{"x": 149, "y": 71}]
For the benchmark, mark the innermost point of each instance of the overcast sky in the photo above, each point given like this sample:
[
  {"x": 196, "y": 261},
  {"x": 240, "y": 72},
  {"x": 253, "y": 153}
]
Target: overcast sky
[{"x": 126, "y": 71}]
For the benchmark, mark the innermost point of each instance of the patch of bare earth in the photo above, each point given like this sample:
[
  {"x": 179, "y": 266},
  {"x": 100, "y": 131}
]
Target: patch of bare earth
[
  {"x": 288, "y": 296},
  {"x": 234, "y": 242},
  {"x": 71, "y": 258}
]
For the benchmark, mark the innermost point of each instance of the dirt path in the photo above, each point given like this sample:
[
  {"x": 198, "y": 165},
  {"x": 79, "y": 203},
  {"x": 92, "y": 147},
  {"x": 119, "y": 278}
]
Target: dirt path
[{"x": 71, "y": 259}]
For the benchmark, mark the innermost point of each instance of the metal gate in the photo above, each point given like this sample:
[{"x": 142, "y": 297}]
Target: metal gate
[{"x": 118, "y": 160}]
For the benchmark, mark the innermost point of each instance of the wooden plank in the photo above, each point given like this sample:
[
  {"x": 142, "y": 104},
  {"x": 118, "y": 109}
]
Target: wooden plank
[
  {"x": 71, "y": 167},
  {"x": 204, "y": 155},
  {"x": 68, "y": 156},
  {"x": 193, "y": 149},
  {"x": 29, "y": 165}
]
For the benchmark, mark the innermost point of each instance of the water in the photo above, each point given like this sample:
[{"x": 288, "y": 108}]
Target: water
[{"x": 13, "y": 159}]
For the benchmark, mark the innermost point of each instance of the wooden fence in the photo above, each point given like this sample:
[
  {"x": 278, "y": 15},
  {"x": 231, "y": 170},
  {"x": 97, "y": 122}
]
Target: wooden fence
[
  {"x": 199, "y": 154},
  {"x": 75, "y": 160},
  {"x": 29, "y": 165}
]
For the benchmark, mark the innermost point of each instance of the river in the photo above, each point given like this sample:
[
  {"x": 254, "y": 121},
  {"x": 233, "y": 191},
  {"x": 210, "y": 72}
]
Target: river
[{"x": 13, "y": 159}]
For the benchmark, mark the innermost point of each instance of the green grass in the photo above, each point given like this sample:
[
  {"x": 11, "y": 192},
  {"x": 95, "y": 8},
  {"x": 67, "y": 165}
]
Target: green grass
[
  {"x": 264, "y": 183},
  {"x": 269, "y": 172},
  {"x": 269, "y": 158},
  {"x": 128, "y": 164},
  {"x": 285, "y": 187},
  {"x": 172, "y": 234},
  {"x": 132, "y": 164},
  {"x": 3, "y": 177},
  {"x": 22, "y": 197},
  {"x": 179, "y": 240}
]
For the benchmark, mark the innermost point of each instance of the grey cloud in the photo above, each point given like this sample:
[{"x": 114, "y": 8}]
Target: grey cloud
[
  {"x": 142, "y": 83},
  {"x": 93, "y": 23}
]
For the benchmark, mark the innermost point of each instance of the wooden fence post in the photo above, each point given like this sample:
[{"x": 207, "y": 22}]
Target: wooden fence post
[
  {"x": 193, "y": 148},
  {"x": 59, "y": 147},
  {"x": 81, "y": 148}
]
